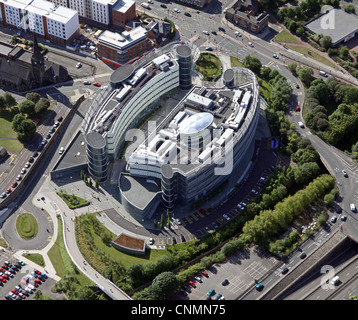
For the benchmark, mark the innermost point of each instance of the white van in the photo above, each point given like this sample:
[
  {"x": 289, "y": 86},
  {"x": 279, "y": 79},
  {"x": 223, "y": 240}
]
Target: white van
[
  {"x": 323, "y": 73},
  {"x": 335, "y": 280},
  {"x": 353, "y": 207}
]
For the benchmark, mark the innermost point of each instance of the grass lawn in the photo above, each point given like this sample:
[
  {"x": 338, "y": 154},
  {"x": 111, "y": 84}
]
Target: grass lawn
[
  {"x": 209, "y": 66},
  {"x": 90, "y": 251},
  {"x": 72, "y": 201},
  {"x": 26, "y": 226},
  {"x": 8, "y": 136},
  {"x": 35, "y": 257},
  {"x": 235, "y": 62},
  {"x": 62, "y": 261},
  {"x": 3, "y": 243},
  {"x": 313, "y": 55},
  {"x": 285, "y": 36}
]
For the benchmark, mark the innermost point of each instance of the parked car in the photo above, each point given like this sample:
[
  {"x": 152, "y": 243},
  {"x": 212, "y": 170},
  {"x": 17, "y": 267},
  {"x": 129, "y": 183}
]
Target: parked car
[
  {"x": 221, "y": 29},
  {"x": 303, "y": 255},
  {"x": 23, "y": 170},
  {"x": 226, "y": 216},
  {"x": 211, "y": 292},
  {"x": 8, "y": 190},
  {"x": 96, "y": 84},
  {"x": 59, "y": 119},
  {"x": 52, "y": 130},
  {"x": 275, "y": 56},
  {"x": 56, "y": 124},
  {"x": 187, "y": 14},
  {"x": 343, "y": 218},
  {"x": 225, "y": 282},
  {"x": 79, "y": 65},
  {"x": 192, "y": 284},
  {"x": 298, "y": 108},
  {"x": 151, "y": 240},
  {"x": 334, "y": 219},
  {"x": 251, "y": 44},
  {"x": 86, "y": 82},
  {"x": 238, "y": 33},
  {"x": 198, "y": 279},
  {"x": 3, "y": 195},
  {"x": 35, "y": 154},
  {"x": 301, "y": 124},
  {"x": 204, "y": 273},
  {"x": 209, "y": 49}
]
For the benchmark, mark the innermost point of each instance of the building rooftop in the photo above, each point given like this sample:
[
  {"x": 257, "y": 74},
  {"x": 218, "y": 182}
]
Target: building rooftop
[
  {"x": 20, "y": 4},
  {"x": 343, "y": 24},
  {"x": 51, "y": 11},
  {"x": 123, "y": 5},
  {"x": 121, "y": 41}
]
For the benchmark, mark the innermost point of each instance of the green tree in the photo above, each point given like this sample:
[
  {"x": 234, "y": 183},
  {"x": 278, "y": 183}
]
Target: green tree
[
  {"x": 27, "y": 107},
  {"x": 17, "y": 121},
  {"x": 33, "y": 96},
  {"x": 96, "y": 184},
  {"x": 306, "y": 75},
  {"x": 252, "y": 63},
  {"x": 27, "y": 129},
  {"x": 42, "y": 105},
  {"x": 293, "y": 68},
  {"x": 9, "y": 99},
  {"x": 162, "y": 221},
  {"x": 2, "y": 103},
  {"x": 325, "y": 42}
]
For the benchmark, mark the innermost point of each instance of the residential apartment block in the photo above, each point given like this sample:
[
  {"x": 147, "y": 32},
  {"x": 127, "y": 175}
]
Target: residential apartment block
[
  {"x": 103, "y": 12},
  {"x": 52, "y": 22},
  {"x": 120, "y": 49}
]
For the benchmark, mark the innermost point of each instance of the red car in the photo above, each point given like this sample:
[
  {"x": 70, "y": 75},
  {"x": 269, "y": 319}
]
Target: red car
[
  {"x": 14, "y": 291},
  {"x": 298, "y": 108},
  {"x": 192, "y": 284},
  {"x": 14, "y": 184},
  {"x": 37, "y": 271},
  {"x": 204, "y": 273},
  {"x": 2, "y": 279},
  {"x": 4, "y": 266},
  {"x": 202, "y": 211},
  {"x": 96, "y": 84}
]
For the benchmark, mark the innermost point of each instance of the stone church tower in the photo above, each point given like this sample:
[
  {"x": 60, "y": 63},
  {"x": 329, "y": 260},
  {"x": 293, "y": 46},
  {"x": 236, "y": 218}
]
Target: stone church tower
[{"x": 37, "y": 62}]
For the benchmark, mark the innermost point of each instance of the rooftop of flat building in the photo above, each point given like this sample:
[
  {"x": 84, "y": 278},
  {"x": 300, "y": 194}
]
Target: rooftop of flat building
[{"x": 123, "y": 5}]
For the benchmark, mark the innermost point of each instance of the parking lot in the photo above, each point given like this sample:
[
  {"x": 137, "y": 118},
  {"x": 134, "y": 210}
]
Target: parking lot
[
  {"x": 16, "y": 280},
  {"x": 241, "y": 270}
]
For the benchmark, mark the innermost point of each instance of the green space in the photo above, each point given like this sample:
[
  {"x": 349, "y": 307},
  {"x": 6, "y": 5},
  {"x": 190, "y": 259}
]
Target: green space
[
  {"x": 72, "y": 201},
  {"x": 310, "y": 53},
  {"x": 209, "y": 66},
  {"x": 36, "y": 258},
  {"x": 7, "y": 134},
  {"x": 73, "y": 282},
  {"x": 26, "y": 226},
  {"x": 3, "y": 243},
  {"x": 285, "y": 36},
  {"x": 94, "y": 239}
]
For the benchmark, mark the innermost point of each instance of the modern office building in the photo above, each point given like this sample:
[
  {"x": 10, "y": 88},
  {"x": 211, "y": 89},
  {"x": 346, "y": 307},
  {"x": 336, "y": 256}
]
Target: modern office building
[
  {"x": 58, "y": 24},
  {"x": 204, "y": 137},
  {"x": 121, "y": 48}
]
